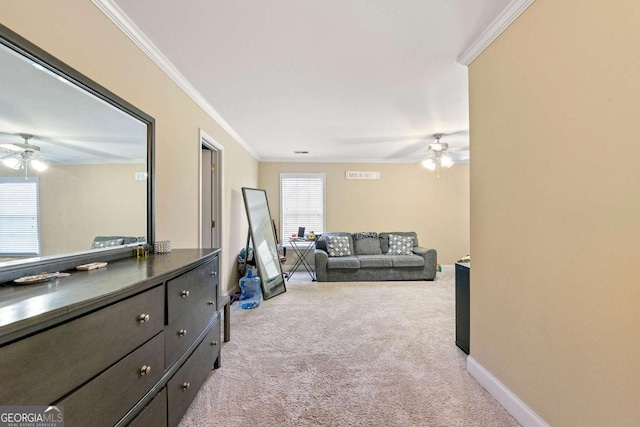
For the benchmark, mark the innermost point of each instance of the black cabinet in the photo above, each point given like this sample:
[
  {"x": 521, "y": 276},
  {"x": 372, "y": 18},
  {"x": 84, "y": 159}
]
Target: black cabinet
[{"x": 462, "y": 305}]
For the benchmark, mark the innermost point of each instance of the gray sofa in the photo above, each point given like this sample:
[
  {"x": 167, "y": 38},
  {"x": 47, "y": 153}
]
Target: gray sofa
[
  {"x": 100, "y": 242},
  {"x": 344, "y": 257}
]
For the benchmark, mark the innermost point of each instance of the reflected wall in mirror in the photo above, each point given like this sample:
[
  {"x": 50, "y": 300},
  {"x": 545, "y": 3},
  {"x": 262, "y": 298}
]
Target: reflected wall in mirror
[
  {"x": 76, "y": 161},
  {"x": 263, "y": 239}
]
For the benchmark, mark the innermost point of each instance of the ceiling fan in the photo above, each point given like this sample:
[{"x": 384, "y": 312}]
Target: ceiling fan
[
  {"x": 68, "y": 149},
  {"x": 440, "y": 155},
  {"x": 23, "y": 155},
  {"x": 420, "y": 146}
]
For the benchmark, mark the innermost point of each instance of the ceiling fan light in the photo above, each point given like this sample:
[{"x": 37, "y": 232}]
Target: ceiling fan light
[
  {"x": 429, "y": 164},
  {"x": 12, "y": 162},
  {"x": 446, "y": 161},
  {"x": 38, "y": 165}
]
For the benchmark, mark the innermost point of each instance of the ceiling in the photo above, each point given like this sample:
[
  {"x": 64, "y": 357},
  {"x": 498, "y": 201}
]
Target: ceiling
[{"x": 344, "y": 80}]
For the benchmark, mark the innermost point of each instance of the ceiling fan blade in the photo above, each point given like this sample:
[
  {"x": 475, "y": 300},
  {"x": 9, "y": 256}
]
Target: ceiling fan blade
[
  {"x": 56, "y": 156},
  {"x": 89, "y": 139},
  {"x": 81, "y": 149},
  {"x": 457, "y": 132},
  {"x": 458, "y": 149},
  {"x": 77, "y": 143},
  {"x": 382, "y": 139},
  {"x": 409, "y": 151},
  {"x": 11, "y": 147}
]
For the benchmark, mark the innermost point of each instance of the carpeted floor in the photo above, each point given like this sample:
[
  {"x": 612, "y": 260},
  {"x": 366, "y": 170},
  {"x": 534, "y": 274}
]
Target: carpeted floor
[{"x": 346, "y": 354}]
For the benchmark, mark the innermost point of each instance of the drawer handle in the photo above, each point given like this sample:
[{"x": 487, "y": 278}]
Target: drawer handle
[
  {"x": 145, "y": 370},
  {"x": 185, "y": 386},
  {"x": 209, "y": 302},
  {"x": 214, "y": 343},
  {"x": 184, "y": 293},
  {"x": 182, "y": 332},
  {"x": 213, "y": 274},
  {"x": 143, "y": 318}
]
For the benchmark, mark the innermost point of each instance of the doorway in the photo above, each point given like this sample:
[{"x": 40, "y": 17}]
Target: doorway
[{"x": 211, "y": 164}]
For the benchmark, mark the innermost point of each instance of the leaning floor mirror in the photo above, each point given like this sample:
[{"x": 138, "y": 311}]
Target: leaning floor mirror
[{"x": 264, "y": 242}]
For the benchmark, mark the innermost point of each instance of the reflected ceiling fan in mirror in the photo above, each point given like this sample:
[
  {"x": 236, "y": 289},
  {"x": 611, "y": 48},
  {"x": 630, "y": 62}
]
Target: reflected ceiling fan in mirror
[
  {"x": 23, "y": 156},
  {"x": 440, "y": 155},
  {"x": 70, "y": 150}
]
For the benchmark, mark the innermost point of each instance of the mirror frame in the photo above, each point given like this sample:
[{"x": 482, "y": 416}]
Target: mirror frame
[
  {"x": 277, "y": 284},
  {"x": 61, "y": 262}
]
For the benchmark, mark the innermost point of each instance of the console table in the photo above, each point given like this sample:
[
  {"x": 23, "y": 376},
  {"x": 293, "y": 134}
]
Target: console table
[
  {"x": 128, "y": 344},
  {"x": 463, "y": 300}
]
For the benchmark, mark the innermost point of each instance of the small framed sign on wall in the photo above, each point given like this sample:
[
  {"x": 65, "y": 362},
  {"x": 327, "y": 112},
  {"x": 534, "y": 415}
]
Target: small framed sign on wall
[{"x": 363, "y": 175}]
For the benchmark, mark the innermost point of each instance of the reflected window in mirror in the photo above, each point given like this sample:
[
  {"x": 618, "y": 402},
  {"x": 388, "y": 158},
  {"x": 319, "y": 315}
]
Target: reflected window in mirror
[{"x": 19, "y": 213}]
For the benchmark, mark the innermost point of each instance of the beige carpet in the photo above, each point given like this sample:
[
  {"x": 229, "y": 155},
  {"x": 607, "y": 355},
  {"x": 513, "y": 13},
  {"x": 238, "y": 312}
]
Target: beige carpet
[{"x": 346, "y": 354}]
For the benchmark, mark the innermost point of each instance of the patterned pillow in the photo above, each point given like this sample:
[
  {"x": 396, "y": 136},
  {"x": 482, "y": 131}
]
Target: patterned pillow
[
  {"x": 400, "y": 245},
  {"x": 338, "y": 246}
]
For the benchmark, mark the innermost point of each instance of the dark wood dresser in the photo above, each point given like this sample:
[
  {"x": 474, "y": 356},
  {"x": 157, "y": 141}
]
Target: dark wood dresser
[{"x": 129, "y": 344}]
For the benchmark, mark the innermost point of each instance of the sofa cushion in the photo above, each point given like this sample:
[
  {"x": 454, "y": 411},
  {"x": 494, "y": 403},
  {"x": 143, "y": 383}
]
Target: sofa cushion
[
  {"x": 366, "y": 243},
  {"x": 375, "y": 261},
  {"x": 400, "y": 245},
  {"x": 343, "y": 262},
  {"x": 406, "y": 260},
  {"x": 338, "y": 246},
  {"x": 384, "y": 239}
]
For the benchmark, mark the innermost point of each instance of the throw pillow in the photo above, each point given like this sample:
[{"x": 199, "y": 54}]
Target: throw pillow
[
  {"x": 367, "y": 244},
  {"x": 400, "y": 245},
  {"x": 338, "y": 246}
]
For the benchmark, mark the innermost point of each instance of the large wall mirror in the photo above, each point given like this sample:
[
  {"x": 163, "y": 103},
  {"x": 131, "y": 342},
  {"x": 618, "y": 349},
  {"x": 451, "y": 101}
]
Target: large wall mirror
[{"x": 76, "y": 165}]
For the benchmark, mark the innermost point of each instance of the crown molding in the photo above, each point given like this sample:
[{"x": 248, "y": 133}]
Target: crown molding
[
  {"x": 501, "y": 23},
  {"x": 115, "y": 14},
  {"x": 343, "y": 160}
]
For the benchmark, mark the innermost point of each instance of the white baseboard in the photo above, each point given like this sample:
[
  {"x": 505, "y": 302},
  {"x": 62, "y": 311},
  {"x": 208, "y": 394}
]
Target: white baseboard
[{"x": 509, "y": 401}]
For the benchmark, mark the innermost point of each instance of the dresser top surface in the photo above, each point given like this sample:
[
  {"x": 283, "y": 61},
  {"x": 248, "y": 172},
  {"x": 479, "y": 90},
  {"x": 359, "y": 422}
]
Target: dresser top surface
[{"x": 26, "y": 308}]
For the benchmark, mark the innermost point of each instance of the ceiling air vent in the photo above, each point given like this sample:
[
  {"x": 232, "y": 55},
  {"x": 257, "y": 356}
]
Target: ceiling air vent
[{"x": 301, "y": 152}]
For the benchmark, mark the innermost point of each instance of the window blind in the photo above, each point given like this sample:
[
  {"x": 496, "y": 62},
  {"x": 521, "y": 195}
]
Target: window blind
[
  {"x": 302, "y": 203},
  {"x": 19, "y": 233}
]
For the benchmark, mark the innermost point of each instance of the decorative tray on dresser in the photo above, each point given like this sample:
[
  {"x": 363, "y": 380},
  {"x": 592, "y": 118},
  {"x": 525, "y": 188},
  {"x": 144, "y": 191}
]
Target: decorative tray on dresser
[{"x": 128, "y": 344}]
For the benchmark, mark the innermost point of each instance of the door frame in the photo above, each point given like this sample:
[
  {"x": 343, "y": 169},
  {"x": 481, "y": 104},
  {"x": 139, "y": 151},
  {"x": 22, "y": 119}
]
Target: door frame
[{"x": 210, "y": 143}]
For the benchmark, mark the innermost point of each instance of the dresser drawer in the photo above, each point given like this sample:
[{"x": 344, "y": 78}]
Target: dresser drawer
[
  {"x": 187, "y": 292},
  {"x": 181, "y": 333},
  {"x": 44, "y": 367},
  {"x": 154, "y": 414},
  {"x": 109, "y": 396},
  {"x": 183, "y": 387}
]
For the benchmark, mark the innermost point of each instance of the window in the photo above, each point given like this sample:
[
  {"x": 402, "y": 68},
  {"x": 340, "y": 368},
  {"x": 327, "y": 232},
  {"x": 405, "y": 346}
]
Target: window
[
  {"x": 19, "y": 231},
  {"x": 301, "y": 203}
]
